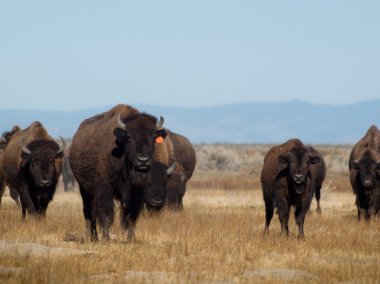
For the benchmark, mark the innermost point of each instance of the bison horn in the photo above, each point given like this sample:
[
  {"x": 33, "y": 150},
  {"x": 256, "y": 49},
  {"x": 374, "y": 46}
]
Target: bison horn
[
  {"x": 160, "y": 123},
  {"x": 23, "y": 148},
  {"x": 63, "y": 146},
  {"x": 120, "y": 123},
  {"x": 171, "y": 169}
]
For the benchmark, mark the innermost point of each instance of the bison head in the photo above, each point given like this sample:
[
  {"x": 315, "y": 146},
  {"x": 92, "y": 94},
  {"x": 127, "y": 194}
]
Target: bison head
[
  {"x": 155, "y": 192},
  {"x": 297, "y": 162},
  {"x": 42, "y": 157},
  {"x": 368, "y": 169},
  {"x": 135, "y": 138}
]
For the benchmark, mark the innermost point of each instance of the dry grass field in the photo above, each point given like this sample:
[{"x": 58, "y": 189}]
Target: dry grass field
[{"x": 216, "y": 239}]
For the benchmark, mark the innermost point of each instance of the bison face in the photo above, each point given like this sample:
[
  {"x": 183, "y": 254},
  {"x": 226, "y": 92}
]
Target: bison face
[
  {"x": 368, "y": 168},
  {"x": 297, "y": 161},
  {"x": 42, "y": 158},
  {"x": 155, "y": 192},
  {"x": 135, "y": 138}
]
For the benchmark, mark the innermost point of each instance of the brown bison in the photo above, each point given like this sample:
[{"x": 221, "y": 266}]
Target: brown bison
[
  {"x": 2, "y": 181},
  {"x": 320, "y": 174},
  {"x": 186, "y": 159},
  {"x": 155, "y": 191},
  {"x": 5, "y": 138},
  {"x": 364, "y": 166},
  {"x": 287, "y": 180},
  {"x": 68, "y": 178},
  {"x": 175, "y": 148},
  {"x": 111, "y": 156},
  {"x": 32, "y": 166}
]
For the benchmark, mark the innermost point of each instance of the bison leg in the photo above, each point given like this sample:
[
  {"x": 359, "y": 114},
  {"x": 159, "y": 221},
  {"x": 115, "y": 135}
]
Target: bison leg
[
  {"x": 318, "y": 197},
  {"x": 299, "y": 215},
  {"x": 269, "y": 209},
  {"x": 2, "y": 188},
  {"x": 283, "y": 214},
  {"x": 131, "y": 208},
  {"x": 88, "y": 214},
  {"x": 104, "y": 207},
  {"x": 26, "y": 200},
  {"x": 15, "y": 196}
]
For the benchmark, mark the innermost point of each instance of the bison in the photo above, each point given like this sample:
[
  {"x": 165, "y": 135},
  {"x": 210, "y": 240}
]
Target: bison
[
  {"x": 287, "y": 180},
  {"x": 111, "y": 156},
  {"x": 364, "y": 172},
  {"x": 32, "y": 166},
  {"x": 68, "y": 178},
  {"x": 186, "y": 159},
  {"x": 5, "y": 138},
  {"x": 365, "y": 182},
  {"x": 176, "y": 148},
  {"x": 2, "y": 181},
  {"x": 155, "y": 191},
  {"x": 320, "y": 174}
]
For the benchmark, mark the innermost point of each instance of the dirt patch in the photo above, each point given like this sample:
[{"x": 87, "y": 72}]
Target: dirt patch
[
  {"x": 10, "y": 271},
  {"x": 282, "y": 274},
  {"x": 36, "y": 249}
]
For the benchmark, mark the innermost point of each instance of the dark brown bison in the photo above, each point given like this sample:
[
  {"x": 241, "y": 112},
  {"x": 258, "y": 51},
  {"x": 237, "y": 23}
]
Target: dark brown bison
[
  {"x": 155, "y": 191},
  {"x": 364, "y": 172},
  {"x": 111, "y": 155},
  {"x": 5, "y": 138},
  {"x": 320, "y": 174},
  {"x": 176, "y": 148},
  {"x": 365, "y": 182},
  {"x": 186, "y": 159},
  {"x": 32, "y": 166},
  {"x": 287, "y": 180},
  {"x": 68, "y": 177},
  {"x": 2, "y": 181}
]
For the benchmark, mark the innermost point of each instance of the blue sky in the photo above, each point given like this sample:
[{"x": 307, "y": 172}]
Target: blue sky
[{"x": 71, "y": 55}]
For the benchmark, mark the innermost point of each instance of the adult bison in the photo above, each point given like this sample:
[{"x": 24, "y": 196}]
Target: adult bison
[
  {"x": 186, "y": 159},
  {"x": 155, "y": 191},
  {"x": 111, "y": 156},
  {"x": 5, "y": 138},
  {"x": 176, "y": 148},
  {"x": 32, "y": 165},
  {"x": 287, "y": 180},
  {"x": 68, "y": 177},
  {"x": 320, "y": 174},
  {"x": 364, "y": 166}
]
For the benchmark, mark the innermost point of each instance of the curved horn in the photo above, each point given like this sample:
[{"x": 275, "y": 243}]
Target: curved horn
[
  {"x": 171, "y": 169},
  {"x": 160, "y": 123},
  {"x": 63, "y": 146},
  {"x": 120, "y": 123},
  {"x": 23, "y": 148}
]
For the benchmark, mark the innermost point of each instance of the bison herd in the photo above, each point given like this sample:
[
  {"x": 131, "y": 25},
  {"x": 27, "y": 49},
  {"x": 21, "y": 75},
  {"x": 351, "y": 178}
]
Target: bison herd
[{"x": 128, "y": 155}]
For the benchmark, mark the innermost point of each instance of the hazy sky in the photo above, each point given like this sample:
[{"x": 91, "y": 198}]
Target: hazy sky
[{"x": 73, "y": 55}]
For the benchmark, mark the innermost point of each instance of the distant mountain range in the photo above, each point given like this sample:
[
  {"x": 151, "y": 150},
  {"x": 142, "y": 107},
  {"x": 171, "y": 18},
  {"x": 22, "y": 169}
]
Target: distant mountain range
[{"x": 235, "y": 123}]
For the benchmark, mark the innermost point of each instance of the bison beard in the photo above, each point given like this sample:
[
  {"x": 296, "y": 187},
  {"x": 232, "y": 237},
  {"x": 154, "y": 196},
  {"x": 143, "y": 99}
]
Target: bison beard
[{"x": 139, "y": 178}]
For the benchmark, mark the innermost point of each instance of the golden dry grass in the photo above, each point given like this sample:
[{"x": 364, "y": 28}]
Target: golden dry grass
[{"x": 216, "y": 239}]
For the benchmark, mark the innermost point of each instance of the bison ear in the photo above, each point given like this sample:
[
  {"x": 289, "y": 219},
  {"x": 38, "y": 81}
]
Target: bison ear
[
  {"x": 120, "y": 134},
  {"x": 315, "y": 160},
  {"x": 283, "y": 158},
  {"x": 378, "y": 165},
  {"x": 26, "y": 157},
  {"x": 162, "y": 133},
  {"x": 355, "y": 164}
]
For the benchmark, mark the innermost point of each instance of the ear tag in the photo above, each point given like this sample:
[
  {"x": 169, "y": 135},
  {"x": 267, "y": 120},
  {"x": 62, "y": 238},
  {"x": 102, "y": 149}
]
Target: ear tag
[{"x": 159, "y": 140}]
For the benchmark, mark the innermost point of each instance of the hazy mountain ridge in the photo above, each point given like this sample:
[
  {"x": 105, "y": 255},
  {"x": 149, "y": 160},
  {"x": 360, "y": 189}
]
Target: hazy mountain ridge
[{"x": 237, "y": 123}]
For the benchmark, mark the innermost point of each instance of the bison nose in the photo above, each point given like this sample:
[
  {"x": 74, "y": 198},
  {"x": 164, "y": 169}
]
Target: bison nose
[
  {"x": 143, "y": 159},
  {"x": 367, "y": 183},
  {"x": 143, "y": 163},
  {"x": 45, "y": 182},
  {"x": 298, "y": 178},
  {"x": 157, "y": 201}
]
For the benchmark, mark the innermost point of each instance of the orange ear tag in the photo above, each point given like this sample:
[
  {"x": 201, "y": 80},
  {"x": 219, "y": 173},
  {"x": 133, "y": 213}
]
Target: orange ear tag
[{"x": 159, "y": 140}]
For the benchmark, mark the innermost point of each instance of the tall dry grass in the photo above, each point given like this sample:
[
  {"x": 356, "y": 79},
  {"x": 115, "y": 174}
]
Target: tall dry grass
[{"x": 216, "y": 239}]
